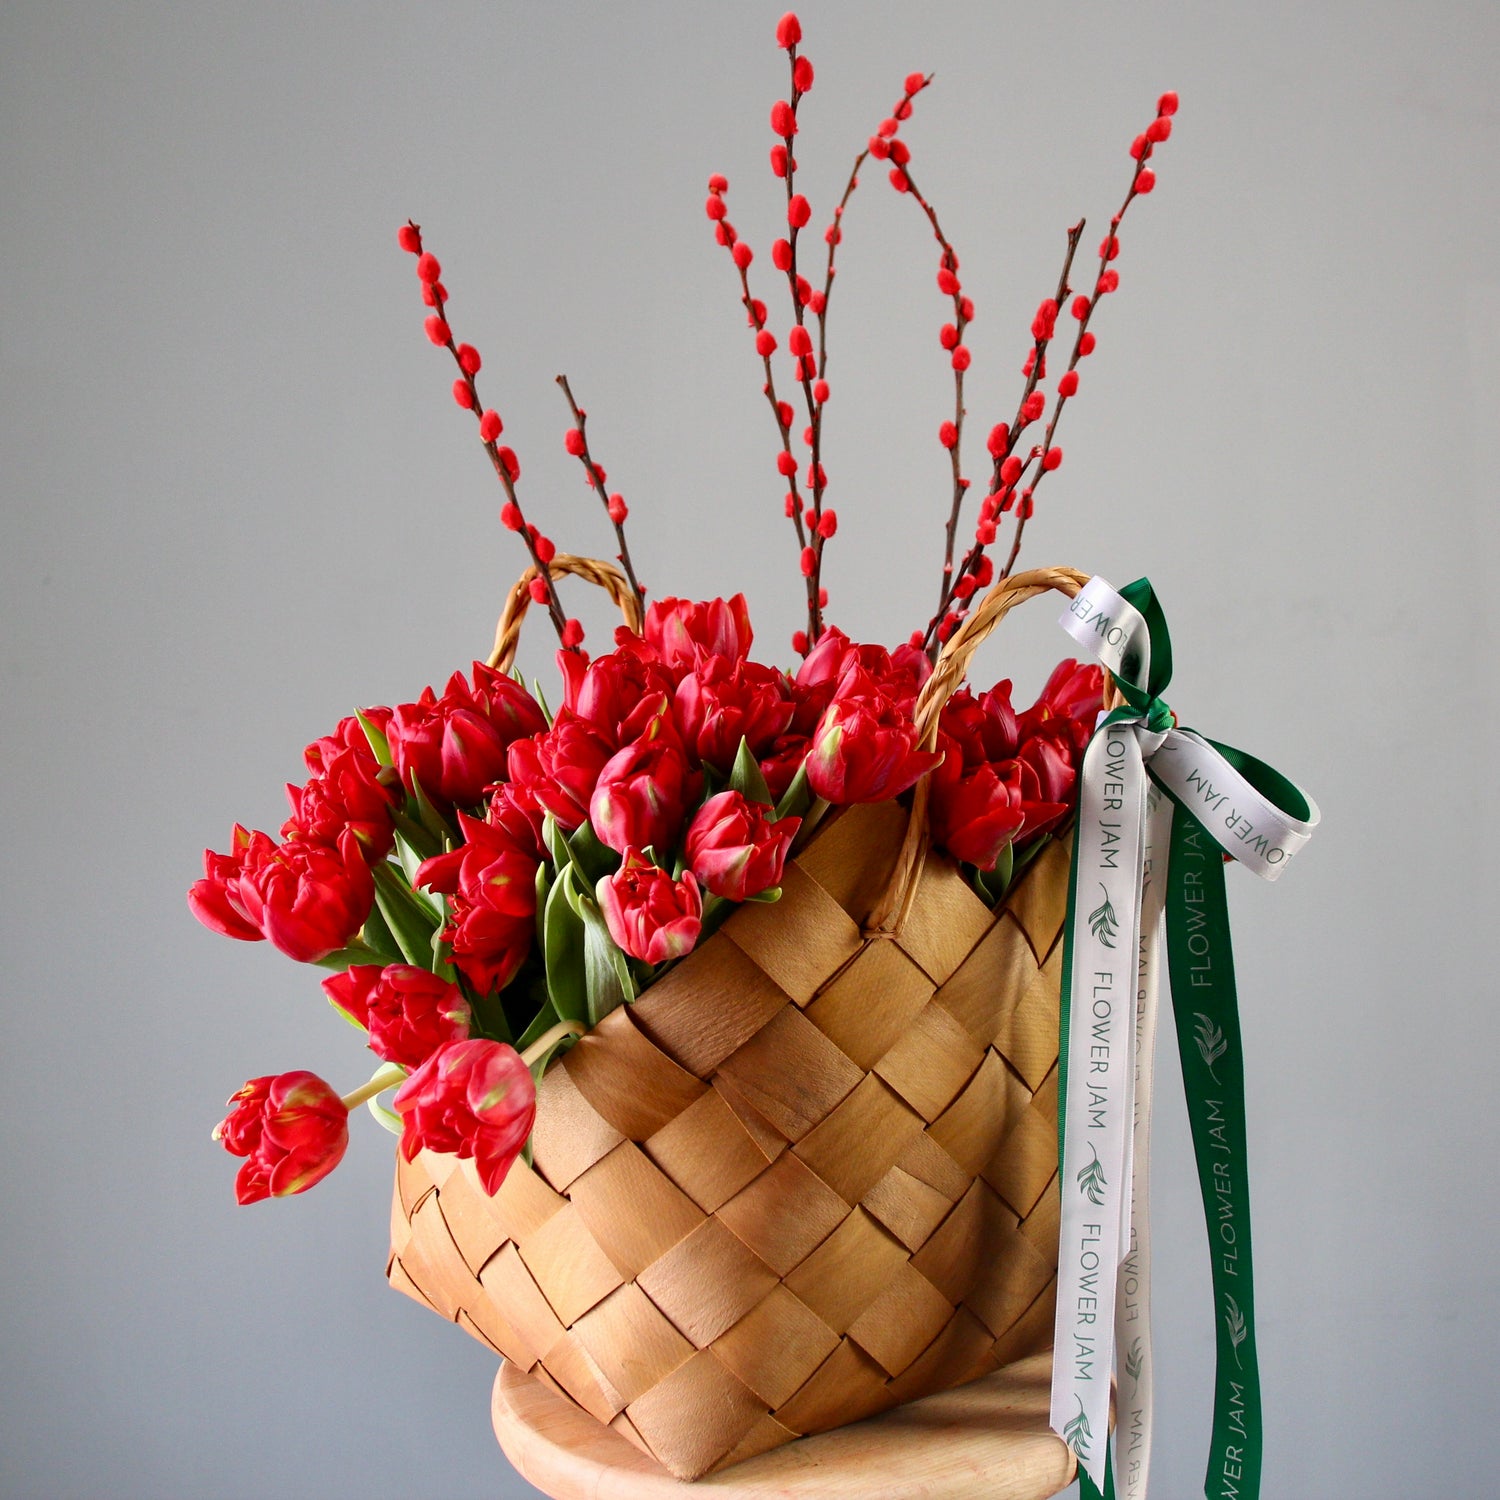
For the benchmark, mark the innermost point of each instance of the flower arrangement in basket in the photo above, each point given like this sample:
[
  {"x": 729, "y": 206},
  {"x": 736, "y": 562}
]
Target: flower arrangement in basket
[{"x": 720, "y": 1005}]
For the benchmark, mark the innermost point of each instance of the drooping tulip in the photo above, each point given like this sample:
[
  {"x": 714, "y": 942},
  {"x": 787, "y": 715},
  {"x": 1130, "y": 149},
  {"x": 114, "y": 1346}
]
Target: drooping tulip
[{"x": 291, "y": 1128}]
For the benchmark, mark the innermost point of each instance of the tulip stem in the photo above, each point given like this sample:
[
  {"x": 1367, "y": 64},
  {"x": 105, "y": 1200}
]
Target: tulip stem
[
  {"x": 386, "y": 1078},
  {"x": 549, "y": 1039},
  {"x": 814, "y": 815}
]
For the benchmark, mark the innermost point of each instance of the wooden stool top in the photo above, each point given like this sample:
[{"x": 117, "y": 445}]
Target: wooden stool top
[{"x": 988, "y": 1439}]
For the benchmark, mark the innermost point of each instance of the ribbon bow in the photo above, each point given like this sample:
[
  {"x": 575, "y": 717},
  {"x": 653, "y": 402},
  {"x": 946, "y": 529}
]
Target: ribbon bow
[{"x": 1157, "y": 804}]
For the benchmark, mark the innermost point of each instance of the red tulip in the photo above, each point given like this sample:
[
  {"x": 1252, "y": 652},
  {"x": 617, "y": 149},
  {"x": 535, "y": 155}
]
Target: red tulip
[
  {"x": 291, "y": 1128},
  {"x": 346, "y": 793},
  {"x": 982, "y": 729},
  {"x": 409, "y": 1012},
  {"x": 1074, "y": 690},
  {"x": 785, "y": 759},
  {"x": 899, "y": 675},
  {"x": 455, "y": 745},
  {"x": 1052, "y": 759},
  {"x": 308, "y": 899},
  {"x": 491, "y": 878},
  {"x": 976, "y": 811},
  {"x": 681, "y": 631},
  {"x": 214, "y": 900},
  {"x": 864, "y": 749},
  {"x": 622, "y": 689},
  {"x": 514, "y": 809},
  {"x": 349, "y": 735},
  {"x": 560, "y": 768},
  {"x": 643, "y": 794},
  {"x": 722, "y": 701},
  {"x": 734, "y": 848},
  {"x": 651, "y": 916},
  {"x": 472, "y": 1099}
]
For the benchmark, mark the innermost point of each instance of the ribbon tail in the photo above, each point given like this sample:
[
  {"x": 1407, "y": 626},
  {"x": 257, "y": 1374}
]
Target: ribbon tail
[
  {"x": 1134, "y": 1355},
  {"x": 1096, "y": 1085},
  {"x": 1201, "y": 964}
]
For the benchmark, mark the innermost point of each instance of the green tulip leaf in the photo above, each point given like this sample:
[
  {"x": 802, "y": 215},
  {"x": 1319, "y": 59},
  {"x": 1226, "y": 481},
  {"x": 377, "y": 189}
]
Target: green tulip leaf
[
  {"x": 745, "y": 777},
  {"x": 544, "y": 1020},
  {"x": 431, "y": 819},
  {"x": 576, "y": 888},
  {"x": 999, "y": 879},
  {"x": 442, "y": 960},
  {"x": 340, "y": 1011},
  {"x": 411, "y": 920},
  {"x": 420, "y": 839},
  {"x": 557, "y": 843},
  {"x": 593, "y": 857},
  {"x": 767, "y": 897},
  {"x": 386, "y": 1117},
  {"x": 563, "y": 955},
  {"x": 1024, "y": 858},
  {"x": 355, "y": 953},
  {"x": 377, "y": 936},
  {"x": 543, "y": 890},
  {"x": 797, "y": 798},
  {"x": 379, "y": 746},
  {"x": 606, "y": 969},
  {"x": 541, "y": 699},
  {"x": 411, "y": 860}
]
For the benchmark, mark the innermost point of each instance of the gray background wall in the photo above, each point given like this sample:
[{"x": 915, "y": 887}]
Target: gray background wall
[{"x": 237, "y": 501}]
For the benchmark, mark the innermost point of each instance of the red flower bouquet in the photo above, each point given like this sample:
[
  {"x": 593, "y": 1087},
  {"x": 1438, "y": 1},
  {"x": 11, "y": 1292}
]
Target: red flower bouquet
[{"x": 787, "y": 936}]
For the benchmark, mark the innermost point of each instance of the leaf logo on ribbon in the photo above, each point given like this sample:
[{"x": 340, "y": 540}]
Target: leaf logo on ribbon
[
  {"x": 1076, "y": 1434},
  {"x": 1211, "y": 1043},
  {"x": 1102, "y": 921},
  {"x": 1234, "y": 1321},
  {"x": 1135, "y": 1362},
  {"x": 1092, "y": 1181}
]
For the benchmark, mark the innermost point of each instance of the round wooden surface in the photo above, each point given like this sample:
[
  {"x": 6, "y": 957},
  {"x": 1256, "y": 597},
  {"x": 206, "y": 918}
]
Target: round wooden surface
[{"x": 987, "y": 1439}]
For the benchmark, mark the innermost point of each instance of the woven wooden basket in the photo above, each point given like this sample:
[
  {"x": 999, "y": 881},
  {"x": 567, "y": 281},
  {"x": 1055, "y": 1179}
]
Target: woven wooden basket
[{"x": 809, "y": 1174}]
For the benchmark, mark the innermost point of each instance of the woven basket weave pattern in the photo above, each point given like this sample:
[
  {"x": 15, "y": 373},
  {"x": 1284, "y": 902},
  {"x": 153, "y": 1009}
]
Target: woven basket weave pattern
[{"x": 808, "y": 1175}]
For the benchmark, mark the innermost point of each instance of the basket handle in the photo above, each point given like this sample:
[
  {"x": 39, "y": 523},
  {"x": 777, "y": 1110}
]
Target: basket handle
[
  {"x": 894, "y": 906},
  {"x": 604, "y": 575}
]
